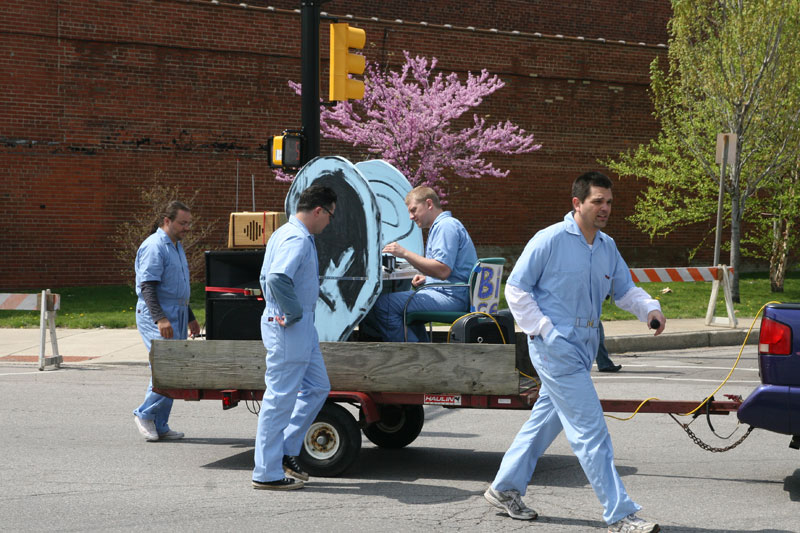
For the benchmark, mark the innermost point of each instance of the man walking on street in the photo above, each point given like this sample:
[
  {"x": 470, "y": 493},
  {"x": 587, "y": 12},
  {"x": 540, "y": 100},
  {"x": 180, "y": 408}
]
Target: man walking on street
[
  {"x": 296, "y": 378},
  {"x": 163, "y": 312},
  {"x": 555, "y": 293}
]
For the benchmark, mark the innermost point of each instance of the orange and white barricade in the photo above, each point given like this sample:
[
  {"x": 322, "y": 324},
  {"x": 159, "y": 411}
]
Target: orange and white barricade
[
  {"x": 48, "y": 304},
  {"x": 716, "y": 275}
]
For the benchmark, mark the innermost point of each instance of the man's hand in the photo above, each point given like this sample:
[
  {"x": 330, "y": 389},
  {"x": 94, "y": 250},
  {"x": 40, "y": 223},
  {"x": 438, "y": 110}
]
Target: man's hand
[
  {"x": 418, "y": 280},
  {"x": 165, "y": 328},
  {"x": 424, "y": 265},
  {"x": 657, "y": 315},
  {"x": 395, "y": 249},
  {"x": 281, "y": 320},
  {"x": 194, "y": 328}
]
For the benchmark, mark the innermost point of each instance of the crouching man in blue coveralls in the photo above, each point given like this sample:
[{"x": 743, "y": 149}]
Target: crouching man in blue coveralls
[
  {"x": 555, "y": 293},
  {"x": 296, "y": 378},
  {"x": 163, "y": 312},
  {"x": 449, "y": 256}
]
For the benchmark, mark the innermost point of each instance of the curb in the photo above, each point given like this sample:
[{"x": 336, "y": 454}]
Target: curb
[{"x": 679, "y": 341}]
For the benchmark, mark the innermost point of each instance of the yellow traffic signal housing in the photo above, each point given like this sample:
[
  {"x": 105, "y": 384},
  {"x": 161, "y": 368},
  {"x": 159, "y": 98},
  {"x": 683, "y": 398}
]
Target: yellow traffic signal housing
[{"x": 343, "y": 37}]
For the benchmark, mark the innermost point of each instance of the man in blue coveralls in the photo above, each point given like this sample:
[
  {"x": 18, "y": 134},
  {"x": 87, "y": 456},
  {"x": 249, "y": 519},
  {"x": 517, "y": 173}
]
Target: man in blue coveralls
[
  {"x": 162, "y": 311},
  {"x": 555, "y": 293},
  {"x": 296, "y": 378},
  {"x": 449, "y": 256}
]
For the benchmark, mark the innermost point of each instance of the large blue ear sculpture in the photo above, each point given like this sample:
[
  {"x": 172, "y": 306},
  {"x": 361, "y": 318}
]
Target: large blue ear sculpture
[{"x": 349, "y": 249}]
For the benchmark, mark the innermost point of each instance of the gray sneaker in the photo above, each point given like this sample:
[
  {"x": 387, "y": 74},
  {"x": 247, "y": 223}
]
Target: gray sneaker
[
  {"x": 511, "y": 502},
  {"x": 633, "y": 524},
  {"x": 171, "y": 435}
]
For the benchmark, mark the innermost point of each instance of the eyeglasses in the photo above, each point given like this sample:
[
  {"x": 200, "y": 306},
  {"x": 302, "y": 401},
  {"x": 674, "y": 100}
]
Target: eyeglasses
[{"x": 327, "y": 211}]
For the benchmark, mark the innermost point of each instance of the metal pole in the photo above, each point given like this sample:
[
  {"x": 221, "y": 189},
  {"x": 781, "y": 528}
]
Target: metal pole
[
  {"x": 718, "y": 239},
  {"x": 309, "y": 53}
]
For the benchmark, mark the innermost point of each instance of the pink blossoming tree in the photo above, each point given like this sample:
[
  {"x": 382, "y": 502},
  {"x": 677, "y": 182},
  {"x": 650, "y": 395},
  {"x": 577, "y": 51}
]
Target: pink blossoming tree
[{"x": 408, "y": 119}]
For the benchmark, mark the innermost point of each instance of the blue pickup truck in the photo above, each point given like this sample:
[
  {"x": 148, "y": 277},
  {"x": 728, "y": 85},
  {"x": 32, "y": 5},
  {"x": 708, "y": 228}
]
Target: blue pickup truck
[{"x": 775, "y": 404}]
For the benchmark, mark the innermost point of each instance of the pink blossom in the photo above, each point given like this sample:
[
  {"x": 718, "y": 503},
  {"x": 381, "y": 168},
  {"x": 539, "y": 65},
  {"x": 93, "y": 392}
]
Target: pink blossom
[{"x": 407, "y": 118}]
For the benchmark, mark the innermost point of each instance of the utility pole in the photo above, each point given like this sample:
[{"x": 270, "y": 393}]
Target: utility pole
[{"x": 309, "y": 57}]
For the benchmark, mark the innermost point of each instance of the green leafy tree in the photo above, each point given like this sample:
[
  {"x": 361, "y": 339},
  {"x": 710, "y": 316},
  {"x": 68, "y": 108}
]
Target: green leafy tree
[
  {"x": 774, "y": 236},
  {"x": 732, "y": 67}
]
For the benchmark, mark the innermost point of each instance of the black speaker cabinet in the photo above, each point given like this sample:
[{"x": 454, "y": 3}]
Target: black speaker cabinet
[
  {"x": 234, "y": 318},
  {"x": 231, "y": 316}
]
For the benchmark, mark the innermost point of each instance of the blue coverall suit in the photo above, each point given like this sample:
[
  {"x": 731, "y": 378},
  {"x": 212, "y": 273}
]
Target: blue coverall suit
[
  {"x": 450, "y": 244},
  {"x": 568, "y": 279},
  {"x": 159, "y": 259},
  {"x": 296, "y": 378}
]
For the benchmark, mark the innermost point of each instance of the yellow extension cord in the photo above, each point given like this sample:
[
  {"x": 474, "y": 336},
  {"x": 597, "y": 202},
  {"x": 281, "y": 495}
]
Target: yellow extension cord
[{"x": 735, "y": 363}]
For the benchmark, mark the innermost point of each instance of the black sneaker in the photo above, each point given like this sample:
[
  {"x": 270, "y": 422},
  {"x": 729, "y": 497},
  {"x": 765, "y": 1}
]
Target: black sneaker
[
  {"x": 280, "y": 484},
  {"x": 612, "y": 368},
  {"x": 291, "y": 468}
]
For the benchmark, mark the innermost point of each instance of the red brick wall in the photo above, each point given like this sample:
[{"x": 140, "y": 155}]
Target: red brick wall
[{"x": 97, "y": 96}]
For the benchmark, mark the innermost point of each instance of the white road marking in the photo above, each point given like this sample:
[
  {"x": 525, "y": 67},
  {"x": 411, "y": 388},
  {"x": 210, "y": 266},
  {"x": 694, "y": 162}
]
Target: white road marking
[
  {"x": 695, "y": 367},
  {"x": 39, "y": 372},
  {"x": 718, "y": 380}
]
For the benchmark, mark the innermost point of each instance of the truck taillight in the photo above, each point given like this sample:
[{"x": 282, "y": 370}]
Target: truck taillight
[{"x": 775, "y": 338}]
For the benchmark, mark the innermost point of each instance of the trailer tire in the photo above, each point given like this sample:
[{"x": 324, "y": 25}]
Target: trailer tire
[
  {"x": 332, "y": 443},
  {"x": 398, "y": 427}
]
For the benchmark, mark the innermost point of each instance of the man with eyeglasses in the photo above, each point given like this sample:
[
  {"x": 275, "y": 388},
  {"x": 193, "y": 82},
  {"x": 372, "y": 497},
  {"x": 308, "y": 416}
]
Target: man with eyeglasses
[{"x": 296, "y": 378}]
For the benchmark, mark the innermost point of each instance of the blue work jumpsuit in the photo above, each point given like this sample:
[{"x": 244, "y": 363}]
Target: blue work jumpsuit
[
  {"x": 568, "y": 279},
  {"x": 296, "y": 378},
  {"x": 450, "y": 244},
  {"x": 161, "y": 260}
]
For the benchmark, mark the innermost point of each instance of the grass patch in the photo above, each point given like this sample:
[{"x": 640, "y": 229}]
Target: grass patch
[
  {"x": 690, "y": 300},
  {"x": 114, "y": 306},
  {"x": 108, "y": 306}
]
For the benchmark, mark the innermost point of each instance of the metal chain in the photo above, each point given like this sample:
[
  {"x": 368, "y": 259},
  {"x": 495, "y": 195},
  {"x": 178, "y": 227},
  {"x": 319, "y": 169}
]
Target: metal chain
[{"x": 707, "y": 447}]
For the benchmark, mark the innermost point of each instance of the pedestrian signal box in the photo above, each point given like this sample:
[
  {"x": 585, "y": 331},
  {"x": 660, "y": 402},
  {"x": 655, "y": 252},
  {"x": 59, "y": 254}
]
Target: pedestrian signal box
[{"x": 286, "y": 151}]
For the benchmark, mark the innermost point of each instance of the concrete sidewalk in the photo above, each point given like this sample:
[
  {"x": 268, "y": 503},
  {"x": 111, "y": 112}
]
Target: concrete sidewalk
[{"x": 124, "y": 346}]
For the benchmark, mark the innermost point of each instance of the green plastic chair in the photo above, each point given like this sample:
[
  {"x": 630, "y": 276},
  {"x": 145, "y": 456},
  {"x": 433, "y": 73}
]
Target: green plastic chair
[{"x": 484, "y": 295}]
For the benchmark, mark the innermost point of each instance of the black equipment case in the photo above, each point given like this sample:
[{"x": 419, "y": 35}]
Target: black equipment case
[{"x": 481, "y": 328}]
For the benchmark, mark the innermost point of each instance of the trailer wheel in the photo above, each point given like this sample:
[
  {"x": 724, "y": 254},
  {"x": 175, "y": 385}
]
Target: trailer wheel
[
  {"x": 398, "y": 427},
  {"x": 332, "y": 442}
]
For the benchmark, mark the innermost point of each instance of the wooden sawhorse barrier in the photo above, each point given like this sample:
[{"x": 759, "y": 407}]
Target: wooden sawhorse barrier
[
  {"x": 718, "y": 275},
  {"x": 48, "y": 304}
]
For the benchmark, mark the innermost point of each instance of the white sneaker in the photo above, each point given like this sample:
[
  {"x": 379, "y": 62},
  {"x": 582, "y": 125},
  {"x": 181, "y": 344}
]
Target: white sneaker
[
  {"x": 511, "y": 502},
  {"x": 633, "y": 524},
  {"x": 170, "y": 435},
  {"x": 147, "y": 428}
]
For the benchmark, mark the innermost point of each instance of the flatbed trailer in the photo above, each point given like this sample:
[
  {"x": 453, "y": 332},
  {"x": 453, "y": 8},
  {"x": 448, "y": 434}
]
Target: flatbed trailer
[{"x": 478, "y": 377}]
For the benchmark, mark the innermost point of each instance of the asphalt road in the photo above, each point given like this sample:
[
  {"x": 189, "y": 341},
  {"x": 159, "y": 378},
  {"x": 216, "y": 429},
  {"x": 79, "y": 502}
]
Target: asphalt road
[{"x": 73, "y": 461}]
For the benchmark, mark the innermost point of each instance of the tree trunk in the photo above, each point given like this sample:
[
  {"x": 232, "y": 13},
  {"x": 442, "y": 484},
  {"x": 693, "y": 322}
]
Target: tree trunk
[
  {"x": 779, "y": 258},
  {"x": 782, "y": 238}
]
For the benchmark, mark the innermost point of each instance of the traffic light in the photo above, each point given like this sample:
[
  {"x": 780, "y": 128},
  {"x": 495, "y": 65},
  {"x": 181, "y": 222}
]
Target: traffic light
[
  {"x": 343, "y": 37},
  {"x": 286, "y": 151}
]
